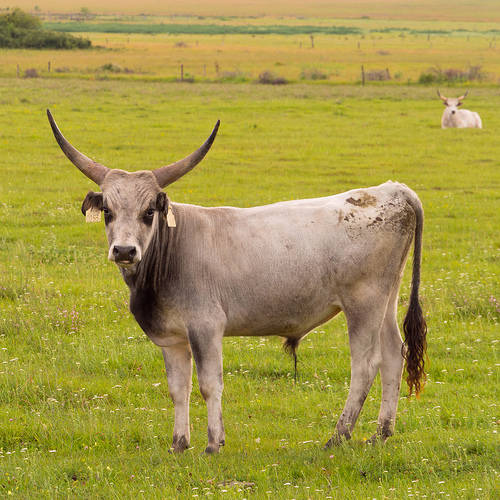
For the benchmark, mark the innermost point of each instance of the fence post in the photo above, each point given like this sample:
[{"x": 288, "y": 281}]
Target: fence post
[
  {"x": 182, "y": 72},
  {"x": 312, "y": 41},
  {"x": 48, "y": 66},
  {"x": 18, "y": 71},
  {"x": 388, "y": 75},
  {"x": 363, "y": 74}
]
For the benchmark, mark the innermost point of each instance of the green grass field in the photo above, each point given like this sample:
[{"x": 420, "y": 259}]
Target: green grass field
[
  {"x": 84, "y": 405},
  {"x": 85, "y": 410}
]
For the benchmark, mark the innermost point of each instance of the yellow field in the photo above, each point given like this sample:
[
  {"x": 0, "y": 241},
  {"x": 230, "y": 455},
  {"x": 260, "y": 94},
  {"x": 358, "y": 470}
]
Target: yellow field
[
  {"x": 339, "y": 57},
  {"x": 456, "y": 10},
  {"x": 404, "y": 56}
]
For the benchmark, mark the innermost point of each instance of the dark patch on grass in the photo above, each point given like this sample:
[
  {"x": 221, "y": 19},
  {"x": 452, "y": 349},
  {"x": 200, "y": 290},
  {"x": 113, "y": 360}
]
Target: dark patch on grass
[{"x": 199, "y": 29}]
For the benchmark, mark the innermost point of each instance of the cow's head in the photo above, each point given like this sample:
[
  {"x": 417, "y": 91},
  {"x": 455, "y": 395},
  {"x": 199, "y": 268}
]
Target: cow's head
[
  {"x": 452, "y": 103},
  {"x": 131, "y": 203}
]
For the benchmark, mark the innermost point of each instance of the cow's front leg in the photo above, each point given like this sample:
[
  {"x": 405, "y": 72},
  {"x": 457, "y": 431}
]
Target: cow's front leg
[
  {"x": 179, "y": 367},
  {"x": 207, "y": 351}
]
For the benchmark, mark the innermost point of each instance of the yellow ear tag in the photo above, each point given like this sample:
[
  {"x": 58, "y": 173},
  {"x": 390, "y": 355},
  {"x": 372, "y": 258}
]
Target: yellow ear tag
[
  {"x": 93, "y": 215},
  {"x": 170, "y": 218}
]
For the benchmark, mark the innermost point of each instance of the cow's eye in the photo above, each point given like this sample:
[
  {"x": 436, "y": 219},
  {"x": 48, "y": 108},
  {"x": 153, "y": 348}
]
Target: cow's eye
[
  {"x": 149, "y": 215},
  {"x": 108, "y": 216}
]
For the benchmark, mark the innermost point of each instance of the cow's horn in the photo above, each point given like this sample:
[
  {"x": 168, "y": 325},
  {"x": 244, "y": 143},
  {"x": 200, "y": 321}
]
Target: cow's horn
[
  {"x": 93, "y": 170},
  {"x": 463, "y": 96},
  {"x": 442, "y": 96},
  {"x": 170, "y": 173}
]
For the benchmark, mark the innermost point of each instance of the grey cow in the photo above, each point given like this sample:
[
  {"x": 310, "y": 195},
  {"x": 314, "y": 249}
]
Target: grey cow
[{"x": 198, "y": 274}]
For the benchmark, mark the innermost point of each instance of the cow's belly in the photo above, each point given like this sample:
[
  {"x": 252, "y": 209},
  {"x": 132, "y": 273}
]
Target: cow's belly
[{"x": 287, "y": 325}]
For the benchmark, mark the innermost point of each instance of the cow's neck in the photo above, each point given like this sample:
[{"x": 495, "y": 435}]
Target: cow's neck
[{"x": 151, "y": 276}]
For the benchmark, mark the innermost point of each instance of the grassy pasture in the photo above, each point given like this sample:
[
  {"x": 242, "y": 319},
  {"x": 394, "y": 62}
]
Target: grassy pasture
[{"x": 84, "y": 402}]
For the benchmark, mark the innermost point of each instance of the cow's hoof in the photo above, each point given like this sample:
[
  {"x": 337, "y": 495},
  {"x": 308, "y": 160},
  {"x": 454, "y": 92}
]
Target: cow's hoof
[
  {"x": 377, "y": 439},
  {"x": 179, "y": 445},
  {"x": 212, "y": 448},
  {"x": 176, "y": 450},
  {"x": 336, "y": 440}
]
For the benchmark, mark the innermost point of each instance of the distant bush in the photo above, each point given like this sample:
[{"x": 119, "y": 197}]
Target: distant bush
[
  {"x": 31, "y": 73},
  {"x": 19, "y": 29},
  {"x": 236, "y": 76},
  {"x": 111, "y": 67},
  {"x": 17, "y": 18},
  {"x": 452, "y": 75},
  {"x": 114, "y": 68},
  {"x": 269, "y": 78},
  {"x": 186, "y": 79},
  {"x": 313, "y": 74},
  {"x": 426, "y": 78},
  {"x": 377, "y": 75}
]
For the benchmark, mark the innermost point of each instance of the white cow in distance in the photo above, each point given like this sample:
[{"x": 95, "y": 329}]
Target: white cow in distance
[{"x": 458, "y": 118}]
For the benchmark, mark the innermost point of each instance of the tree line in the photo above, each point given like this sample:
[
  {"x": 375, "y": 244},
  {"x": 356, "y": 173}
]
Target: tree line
[{"x": 20, "y": 30}]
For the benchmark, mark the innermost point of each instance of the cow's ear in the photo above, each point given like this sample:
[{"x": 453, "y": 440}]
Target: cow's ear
[
  {"x": 92, "y": 200},
  {"x": 161, "y": 202}
]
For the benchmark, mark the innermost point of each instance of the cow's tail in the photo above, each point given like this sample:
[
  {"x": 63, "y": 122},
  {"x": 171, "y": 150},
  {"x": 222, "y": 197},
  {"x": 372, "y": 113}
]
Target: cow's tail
[
  {"x": 290, "y": 345},
  {"x": 414, "y": 325}
]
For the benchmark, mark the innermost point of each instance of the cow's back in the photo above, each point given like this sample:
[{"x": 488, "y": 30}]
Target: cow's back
[{"x": 287, "y": 267}]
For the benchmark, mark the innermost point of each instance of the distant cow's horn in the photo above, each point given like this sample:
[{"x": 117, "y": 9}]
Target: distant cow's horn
[
  {"x": 93, "y": 170},
  {"x": 170, "y": 173},
  {"x": 442, "y": 96}
]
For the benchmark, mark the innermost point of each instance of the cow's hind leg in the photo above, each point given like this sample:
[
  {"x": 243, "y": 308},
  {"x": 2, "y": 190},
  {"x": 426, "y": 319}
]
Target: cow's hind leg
[
  {"x": 390, "y": 371},
  {"x": 179, "y": 367},
  {"x": 207, "y": 351},
  {"x": 364, "y": 322}
]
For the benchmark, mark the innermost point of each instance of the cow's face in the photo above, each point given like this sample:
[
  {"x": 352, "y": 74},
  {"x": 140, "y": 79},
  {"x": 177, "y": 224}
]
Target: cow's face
[
  {"x": 452, "y": 104},
  {"x": 131, "y": 204}
]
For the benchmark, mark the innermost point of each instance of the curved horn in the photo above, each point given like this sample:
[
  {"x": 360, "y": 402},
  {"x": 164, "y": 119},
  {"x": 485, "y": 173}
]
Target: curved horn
[
  {"x": 442, "y": 96},
  {"x": 170, "y": 173},
  {"x": 93, "y": 170},
  {"x": 463, "y": 97}
]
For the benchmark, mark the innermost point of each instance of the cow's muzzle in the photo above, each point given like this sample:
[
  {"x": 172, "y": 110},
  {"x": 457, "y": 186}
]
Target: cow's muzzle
[{"x": 124, "y": 256}]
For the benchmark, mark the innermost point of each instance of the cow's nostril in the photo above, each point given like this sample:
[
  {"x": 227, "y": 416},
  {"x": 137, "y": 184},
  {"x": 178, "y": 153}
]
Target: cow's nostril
[{"x": 124, "y": 253}]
